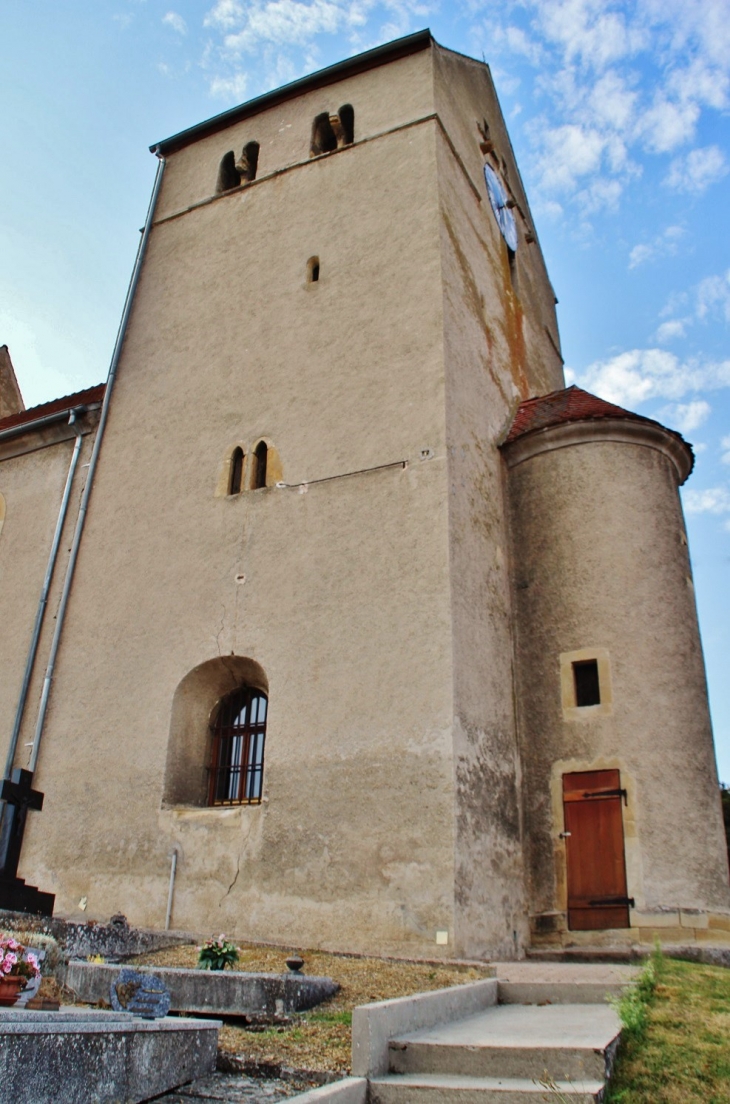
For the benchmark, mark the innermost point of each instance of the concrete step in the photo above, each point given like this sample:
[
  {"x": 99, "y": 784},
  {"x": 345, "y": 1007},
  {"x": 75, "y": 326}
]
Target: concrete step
[
  {"x": 589, "y": 955},
  {"x": 424, "y": 1088},
  {"x": 568, "y": 1042},
  {"x": 566, "y": 992},
  {"x": 562, "y": 983}
]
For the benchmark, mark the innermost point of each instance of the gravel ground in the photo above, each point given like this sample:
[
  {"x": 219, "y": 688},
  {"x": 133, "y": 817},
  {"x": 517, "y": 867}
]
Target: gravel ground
[
  {"x": 319, "y": 1040},
  {"x": 232, "y": 1088}
]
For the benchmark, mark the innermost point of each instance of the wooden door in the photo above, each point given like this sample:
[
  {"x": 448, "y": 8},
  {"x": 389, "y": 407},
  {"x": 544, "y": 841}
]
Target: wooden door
[{"x": 594, "y": 839}]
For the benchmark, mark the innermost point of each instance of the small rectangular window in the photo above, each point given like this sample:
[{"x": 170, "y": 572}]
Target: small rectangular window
[{"x": 587, "y": 687}]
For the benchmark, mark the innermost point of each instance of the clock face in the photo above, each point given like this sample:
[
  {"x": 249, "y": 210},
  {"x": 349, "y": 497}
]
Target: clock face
[{"x": 498, "y": 199}]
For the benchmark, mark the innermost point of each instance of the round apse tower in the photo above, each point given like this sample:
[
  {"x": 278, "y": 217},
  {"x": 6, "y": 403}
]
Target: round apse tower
[{"x": 623, "y": 831}]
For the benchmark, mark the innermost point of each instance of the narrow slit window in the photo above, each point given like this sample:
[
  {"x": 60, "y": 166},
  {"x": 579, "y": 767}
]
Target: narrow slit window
[
  {"x": 228, "y": 175},
  {"x": 587, "y": 685},
  {"x": 259, "y": 466},
  {"x": 234, "y": 486},
  {"x": 313, "y": 270},
  {"x": 247, "y": 163}
]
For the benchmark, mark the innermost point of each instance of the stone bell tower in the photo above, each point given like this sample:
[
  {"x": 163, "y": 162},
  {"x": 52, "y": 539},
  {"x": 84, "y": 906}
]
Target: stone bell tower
[{"x": 287, "y": 658}]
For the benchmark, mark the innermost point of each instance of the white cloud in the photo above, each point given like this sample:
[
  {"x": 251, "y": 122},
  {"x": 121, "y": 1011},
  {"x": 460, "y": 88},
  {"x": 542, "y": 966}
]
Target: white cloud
[
  {"x": 710, "y": 299},
  {"x": 224, "y": 15},
  {"x": 615, "y": 82},
  {"x": 686, "y": 417},
  {"x": 713, "y": 297},
  {"x": 172, "y": 19},
  {"x": 668, "y": 331},
  {"x": 570, "y": 152},
  {"x": 601, "y": 194},
  {"x": 666, "y": 125},
  {"x": 713, "y": 500},
  {"x": 663, "y": 244},
  {"x": 587, "y": 31},
  {"x": 287, "y": 22},
  {"x": 231, "y": 88},
  {"x": 637, "y": 375},
  {"x": 698, "y": 170}
]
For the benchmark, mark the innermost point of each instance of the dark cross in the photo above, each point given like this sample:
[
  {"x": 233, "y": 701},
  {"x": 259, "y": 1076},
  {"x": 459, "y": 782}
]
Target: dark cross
[{"x": 19, "y": 796}]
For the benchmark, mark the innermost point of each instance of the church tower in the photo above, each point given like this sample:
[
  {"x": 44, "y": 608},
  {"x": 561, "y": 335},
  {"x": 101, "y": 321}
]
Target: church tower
[{"x": 289, "y": 654}]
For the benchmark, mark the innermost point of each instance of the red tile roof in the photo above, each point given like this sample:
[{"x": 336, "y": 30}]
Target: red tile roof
[
  {"x": 570, "y": 404},
  {"x": 81, "y": 398}
]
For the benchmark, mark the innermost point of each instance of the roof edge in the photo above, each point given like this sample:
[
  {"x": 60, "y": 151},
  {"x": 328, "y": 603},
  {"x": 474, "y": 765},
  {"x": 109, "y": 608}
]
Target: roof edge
[
  {"x": 625, "y": 430},
  {"x": 90, "y": 396},
  {"x": 360, "y": 63}
]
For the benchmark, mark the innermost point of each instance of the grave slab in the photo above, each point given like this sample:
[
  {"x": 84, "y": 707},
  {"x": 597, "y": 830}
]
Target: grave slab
[
  {"x": 219, "y": 992},
  {"x": 80, "y": 1056}
]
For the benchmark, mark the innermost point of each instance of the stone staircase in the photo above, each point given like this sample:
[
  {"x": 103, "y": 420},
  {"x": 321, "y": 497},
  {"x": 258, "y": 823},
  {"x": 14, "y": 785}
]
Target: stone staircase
[
  {"x": 536, "y": 1033},
  {"x": 503, "y": 1054}
]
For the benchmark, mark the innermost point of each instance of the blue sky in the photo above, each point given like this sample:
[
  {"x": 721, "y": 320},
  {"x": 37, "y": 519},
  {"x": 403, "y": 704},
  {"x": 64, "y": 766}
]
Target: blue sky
[{"x": 619, "y": 114}]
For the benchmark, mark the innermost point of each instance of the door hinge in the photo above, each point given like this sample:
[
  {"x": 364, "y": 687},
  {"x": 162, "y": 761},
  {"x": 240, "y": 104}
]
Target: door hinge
[
  {"x": 607, "y": 793},
  {"x": 612, "y": 901}
]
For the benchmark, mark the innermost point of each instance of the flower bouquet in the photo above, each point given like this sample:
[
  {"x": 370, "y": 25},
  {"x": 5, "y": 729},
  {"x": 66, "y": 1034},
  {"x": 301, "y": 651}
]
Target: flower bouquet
[
  {"x": 216, "y": 954},
  {"x": 17, "y": 967}
]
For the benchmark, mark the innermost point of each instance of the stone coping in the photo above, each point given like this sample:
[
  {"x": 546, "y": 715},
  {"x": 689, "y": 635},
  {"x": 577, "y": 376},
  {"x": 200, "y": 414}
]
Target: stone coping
[
  {"x": 75, "y": 1021},
  {"x": 78, "y": 1055}
]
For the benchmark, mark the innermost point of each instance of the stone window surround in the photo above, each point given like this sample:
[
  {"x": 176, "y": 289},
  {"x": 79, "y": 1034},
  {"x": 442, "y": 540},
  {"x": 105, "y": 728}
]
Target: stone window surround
[{"x": 572, "y": 711}]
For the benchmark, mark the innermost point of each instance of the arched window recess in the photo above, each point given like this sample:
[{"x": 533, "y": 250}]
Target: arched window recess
[
  {"x": 235, "y": 482},
  {"x": 247, "y": 163},
  {"x": 232, "y": 173},
  {"x": 260, "y": 465},
  {"x": 332, "y": 132}
]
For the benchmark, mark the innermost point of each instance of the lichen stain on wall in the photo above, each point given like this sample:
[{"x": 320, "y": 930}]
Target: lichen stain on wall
[
  {"x": 474, "y": 300},
  {"x": 513, "y": 325}
]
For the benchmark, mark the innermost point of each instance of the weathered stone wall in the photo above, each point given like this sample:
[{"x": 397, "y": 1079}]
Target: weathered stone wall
[
  {"x": 492, "y": 318},
  {"x": 601, "y": 562},
  {"x": 339, "y": 591}
]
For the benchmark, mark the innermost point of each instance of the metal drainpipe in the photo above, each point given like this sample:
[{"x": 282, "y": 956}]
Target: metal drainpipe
[
  {"x": 171, "y": 888},
  {"x": 121, "y": 333},
  {"x": 43, "y": 600}
]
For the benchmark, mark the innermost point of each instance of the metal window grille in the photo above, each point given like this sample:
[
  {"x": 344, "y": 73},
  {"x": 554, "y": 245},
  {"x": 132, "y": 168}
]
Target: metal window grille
[{"x": 236, "y": 772}]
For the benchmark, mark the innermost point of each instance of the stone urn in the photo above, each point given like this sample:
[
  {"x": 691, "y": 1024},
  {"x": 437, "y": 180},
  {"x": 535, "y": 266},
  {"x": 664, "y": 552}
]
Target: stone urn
[{"x": 10, "y": 989}]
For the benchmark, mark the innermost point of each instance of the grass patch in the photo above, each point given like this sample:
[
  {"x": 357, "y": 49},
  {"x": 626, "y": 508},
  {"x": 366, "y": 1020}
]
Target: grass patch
[{"x": 675, "y": 1045}]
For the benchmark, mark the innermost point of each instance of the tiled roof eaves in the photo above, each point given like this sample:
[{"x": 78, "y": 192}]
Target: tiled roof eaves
[
  {"x": 88, "y": 397},
  {"x": 571, "y": 404}
]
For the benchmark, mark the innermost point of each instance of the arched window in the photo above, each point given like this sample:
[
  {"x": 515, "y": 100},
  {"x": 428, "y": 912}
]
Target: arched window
[
  {"x": 313, "y": 270},
  {"x": 237, "y": 754},
  {"x": 259, "y": 466},
  {"x": 236, "y": 479},
  {"x": 324, "y": 139},
  {"x": 332, "y": 132},
  {"x": 248, "y": 162},
  {"x": 228, "y": 175}
]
